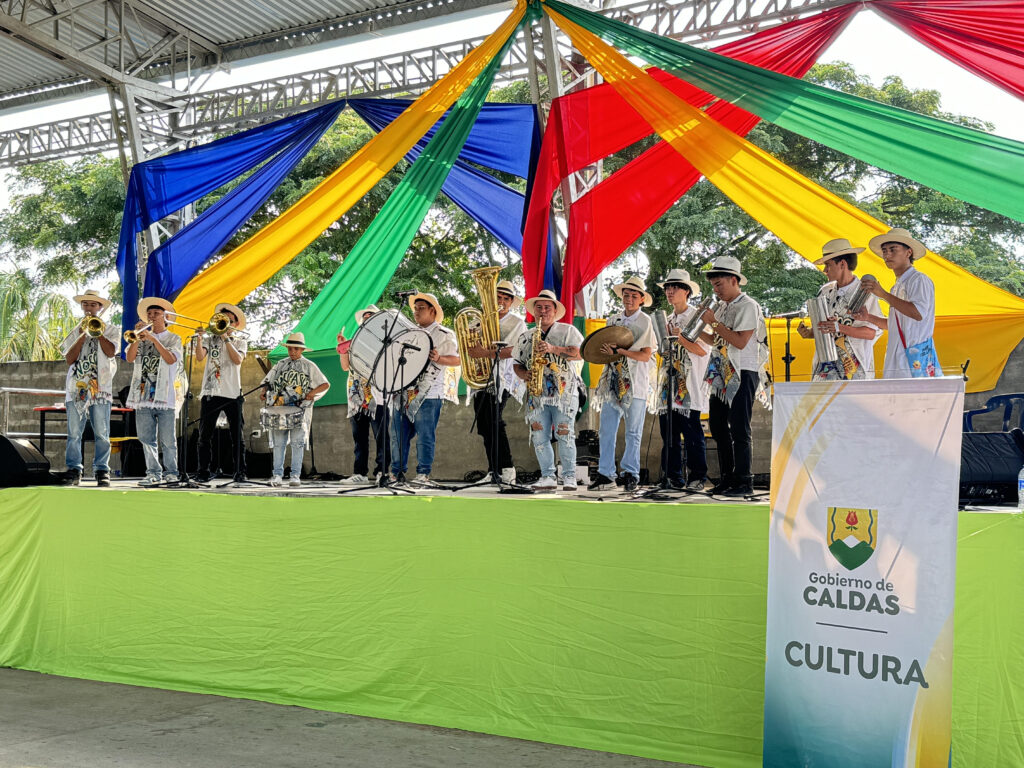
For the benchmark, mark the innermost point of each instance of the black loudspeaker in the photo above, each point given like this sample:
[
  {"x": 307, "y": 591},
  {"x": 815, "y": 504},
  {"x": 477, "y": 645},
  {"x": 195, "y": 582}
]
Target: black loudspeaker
[
  {"x": 989, "y": 464},
  {"x": 21, "y": 464}
]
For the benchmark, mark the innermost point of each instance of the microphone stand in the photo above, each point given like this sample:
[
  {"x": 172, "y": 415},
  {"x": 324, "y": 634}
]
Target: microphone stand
[
  {"x": 240, "y": 445},
  {"x": 669, "y": 358},
  {"x": 184, "y": 480}
]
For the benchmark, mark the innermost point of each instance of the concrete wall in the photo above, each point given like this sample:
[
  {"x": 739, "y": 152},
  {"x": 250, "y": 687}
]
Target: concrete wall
[{"x": 458, "y": 451}]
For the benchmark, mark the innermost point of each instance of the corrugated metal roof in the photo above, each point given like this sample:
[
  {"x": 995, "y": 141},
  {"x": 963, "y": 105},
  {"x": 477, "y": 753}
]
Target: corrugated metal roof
[{"x": 240, "y": 28}]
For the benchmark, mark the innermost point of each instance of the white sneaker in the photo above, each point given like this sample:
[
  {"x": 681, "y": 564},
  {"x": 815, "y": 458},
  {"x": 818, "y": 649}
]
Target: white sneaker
[
  {"x": 149, "y": 480},
  {"x": 695, "y": 485},
  {"x": 545, "y": 484},
  {"x": 484, "y": 480},
  {"x": 356, "y": 480},
  {"x": 508, "y": 475},
  {"x": 569, "y": 486},
  {"x": 424, "y": 481},
  {"x": 276, "y": 481},
  {"x": 170, "y": 478},
  {"x": 294, "y": 482}
]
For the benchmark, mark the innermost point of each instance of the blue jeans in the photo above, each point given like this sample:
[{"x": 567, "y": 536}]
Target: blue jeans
[
  {"x": 424, "y": 427},
  {"x": 549, "y": 417},
  {"x": 610, "y": 418},
  {"x": 97, "y": 414},
  {"x": 152, "y": 424},
  {"x": 280, "y": 439}
]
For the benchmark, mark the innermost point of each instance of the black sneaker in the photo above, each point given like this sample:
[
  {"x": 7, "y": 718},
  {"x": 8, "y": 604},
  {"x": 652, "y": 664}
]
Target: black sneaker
[
  {"x": 722, "y": 486},
  {"x": 240, "y": 477},
  {"x": 203, "y": 476},
  {"x": 601, "y": 483},
  {"x": 630, "y": 482},
  {"x": 739, "y": 492},
  {"x": 71, "y": 477},
  {"x": 102, "y": 478}
]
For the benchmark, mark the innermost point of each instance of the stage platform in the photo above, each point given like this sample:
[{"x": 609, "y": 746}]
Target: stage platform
[{"x": 629, "y": 627}]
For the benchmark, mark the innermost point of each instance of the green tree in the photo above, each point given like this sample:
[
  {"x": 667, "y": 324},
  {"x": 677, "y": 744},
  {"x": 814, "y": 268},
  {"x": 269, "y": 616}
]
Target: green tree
[{"x": 33, "y": 322}]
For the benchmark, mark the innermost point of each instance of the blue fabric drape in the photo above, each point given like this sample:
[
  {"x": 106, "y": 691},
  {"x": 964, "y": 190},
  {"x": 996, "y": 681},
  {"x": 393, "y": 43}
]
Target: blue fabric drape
[
  {"x": 161, "y": 186},
  {"x": 496, "y": 141}
]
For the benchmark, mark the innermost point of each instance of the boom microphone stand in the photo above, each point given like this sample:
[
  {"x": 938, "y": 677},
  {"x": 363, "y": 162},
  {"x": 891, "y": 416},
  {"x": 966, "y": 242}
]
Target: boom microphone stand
[{"x": 184, "y": 480}]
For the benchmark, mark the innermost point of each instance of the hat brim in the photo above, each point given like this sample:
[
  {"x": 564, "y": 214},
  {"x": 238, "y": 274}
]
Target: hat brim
[
  {"x": 919, "y": 249},
  {"x": 844, "y": 252},
  {"x": 149, "y": 301},
  {"x": 89, "y": 297},
  {"x": 648, "y": 299},
  {"x": 726, "y": 273},
  {"x": 694, "y": 288},
  {"x": 299, "y": 344},
  {"x": 359, "y": 315},
  {"x": 233, "y": 310},
  {"x": 517, "y": 301},
  {"x": 431, "y": 301},
  {"x": 559, "y": 306}
]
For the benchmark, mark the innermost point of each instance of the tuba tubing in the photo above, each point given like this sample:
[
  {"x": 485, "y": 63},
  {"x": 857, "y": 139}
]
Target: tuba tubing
[{"x": 479, "y": 327}]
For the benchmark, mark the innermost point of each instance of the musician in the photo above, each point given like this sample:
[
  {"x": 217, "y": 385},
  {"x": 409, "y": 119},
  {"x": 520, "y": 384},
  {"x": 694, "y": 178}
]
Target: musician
[
  {"x": 91, "y": 365},
  {"x": 222, "y": 389},
  {"x": 855, "y": 339},
  {"x": 735, "y": 374},
  {"x": 545, "y": 354},
  {"x": 156, "y": 358},
  {"x": 294, "y": 381},
  {"x": 416, "y": 410},
  {"x": 365, "y": 413},
  {"x": 690, "y": 392},
  {"x": 624, "y": 387},
  {"x": 910, "y": 351},
  {"x": 485, "y": 401}
]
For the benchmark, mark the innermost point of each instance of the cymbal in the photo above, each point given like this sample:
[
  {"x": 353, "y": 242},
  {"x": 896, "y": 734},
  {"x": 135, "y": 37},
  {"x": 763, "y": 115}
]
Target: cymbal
[{"x": 618, "y": 335}]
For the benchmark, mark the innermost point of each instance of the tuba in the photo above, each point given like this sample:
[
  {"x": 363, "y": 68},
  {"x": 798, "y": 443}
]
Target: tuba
[
  {"x": 92, "y": 326},
  {"x": 474, "y": 327}
]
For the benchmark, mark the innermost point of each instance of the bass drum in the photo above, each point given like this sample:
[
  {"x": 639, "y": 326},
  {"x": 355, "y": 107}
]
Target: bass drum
[
  {"x": 368, "y": 340},
  {"x": 392, "y": 374}
]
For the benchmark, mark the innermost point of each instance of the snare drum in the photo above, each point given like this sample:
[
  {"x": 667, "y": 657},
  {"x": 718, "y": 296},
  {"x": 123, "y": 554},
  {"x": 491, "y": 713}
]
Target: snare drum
[
  {"x": 368, "y": 341},
  {"x": 281, "y": 417}
]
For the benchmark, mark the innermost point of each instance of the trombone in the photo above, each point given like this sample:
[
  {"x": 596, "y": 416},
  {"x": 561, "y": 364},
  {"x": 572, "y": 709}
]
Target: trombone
[
  {"x": 133, "y": 336},
  {"x": 218, "y": 325}
]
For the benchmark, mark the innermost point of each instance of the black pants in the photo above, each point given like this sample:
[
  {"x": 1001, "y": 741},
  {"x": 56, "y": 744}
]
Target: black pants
[
  {"x": 730, "y": 428},
  {"x": 362, "y": 424},
  {"x": 209, "y": 409},
  {"x": 686, "y": 430},
  {"x": 483, "y": 406}
]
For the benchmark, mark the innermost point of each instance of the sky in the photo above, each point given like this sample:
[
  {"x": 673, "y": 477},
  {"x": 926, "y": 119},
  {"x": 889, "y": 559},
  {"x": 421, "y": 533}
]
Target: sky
[{"x": 871, "y": 44}]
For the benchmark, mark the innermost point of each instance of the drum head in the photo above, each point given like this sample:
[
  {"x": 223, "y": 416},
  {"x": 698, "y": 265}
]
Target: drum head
[
  {"x": 618, "y": 335},
  {"x": 390, "y": 375},
  {"x": 368, "y": 341}
]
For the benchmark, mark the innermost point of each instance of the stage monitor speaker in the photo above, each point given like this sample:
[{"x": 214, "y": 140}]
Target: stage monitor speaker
[
  {"x": 22, "y": 464},
  {"x": 989, "y": 463}
]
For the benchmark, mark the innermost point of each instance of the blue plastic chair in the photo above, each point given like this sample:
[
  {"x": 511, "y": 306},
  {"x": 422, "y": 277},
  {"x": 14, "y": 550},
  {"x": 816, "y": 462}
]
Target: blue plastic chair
[{"x": 1007, "y": 403}]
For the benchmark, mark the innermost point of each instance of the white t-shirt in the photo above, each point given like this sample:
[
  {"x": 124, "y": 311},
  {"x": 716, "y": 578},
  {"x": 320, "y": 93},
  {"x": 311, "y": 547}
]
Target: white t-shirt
[
  {"x": 695, "y": 384},
  {"x": 90, "y": 376},
  {"x": 643, "y": 336},
  {"x": 222, "y": 377},
  {"x": 743, "y": 314},
  {"x": 153, "y": 378},
  {"x": 446, "y": 343},
  {"x": 917, "y": 288}
]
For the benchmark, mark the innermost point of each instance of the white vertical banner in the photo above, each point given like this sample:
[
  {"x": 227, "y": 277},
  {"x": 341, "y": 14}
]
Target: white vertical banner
[{"x": 861, "y": 573}]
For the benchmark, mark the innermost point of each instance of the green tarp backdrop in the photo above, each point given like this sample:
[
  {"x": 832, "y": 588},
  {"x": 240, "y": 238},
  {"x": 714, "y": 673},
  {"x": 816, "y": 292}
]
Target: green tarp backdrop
[{"x": 635, "y": 628}]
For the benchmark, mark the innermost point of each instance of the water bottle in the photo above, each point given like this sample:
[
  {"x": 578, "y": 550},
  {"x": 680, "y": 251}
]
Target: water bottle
[{"x": 1020, "y": 490}]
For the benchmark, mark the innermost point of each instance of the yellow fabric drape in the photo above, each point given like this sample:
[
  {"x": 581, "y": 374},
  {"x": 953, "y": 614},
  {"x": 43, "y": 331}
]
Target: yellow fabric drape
[
  {"x": 974, "y": 318},
  {"x": 257, "y": 259}
]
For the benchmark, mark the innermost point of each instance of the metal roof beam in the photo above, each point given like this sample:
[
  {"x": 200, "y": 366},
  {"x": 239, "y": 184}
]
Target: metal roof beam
[
  {"x": 26, "y": 35},
  {"x": 147, "y": 11}
]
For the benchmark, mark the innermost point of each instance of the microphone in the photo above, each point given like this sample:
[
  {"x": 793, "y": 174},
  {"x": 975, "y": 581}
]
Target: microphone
[
  {"x": 660, "y": 323},
  {"x": 405, "y": 294},
  {"x": 500, "y": 344},
  {"x": 407, "y": 345}
]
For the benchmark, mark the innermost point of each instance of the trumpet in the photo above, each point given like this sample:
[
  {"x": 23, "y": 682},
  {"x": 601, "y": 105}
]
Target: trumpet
[
  {"x": 133, "y": 336},
  {"x": 92, "y": 326}
]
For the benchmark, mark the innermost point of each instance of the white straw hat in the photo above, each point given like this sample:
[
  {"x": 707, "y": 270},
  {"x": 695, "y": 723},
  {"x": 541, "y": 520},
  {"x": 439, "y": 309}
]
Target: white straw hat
[
  {"x": 91, "y": 295},
  {"x": 681, "y": 276},
  {"x": 636, "y": 284},
  {"x": 838, "y": 247},
  {"x": 546, "y": 295},
  {"x": 431, "y": 299},
  {"x": 898, "y": 235},
  {"x": 727, "y": 265},
  {"x": 359, "y": 315}
]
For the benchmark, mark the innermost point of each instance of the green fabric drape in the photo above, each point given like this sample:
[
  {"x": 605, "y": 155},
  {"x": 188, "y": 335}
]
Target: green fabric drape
[
  {"x": 366, "y": 270},
  {"x": 970, "y": 165}
]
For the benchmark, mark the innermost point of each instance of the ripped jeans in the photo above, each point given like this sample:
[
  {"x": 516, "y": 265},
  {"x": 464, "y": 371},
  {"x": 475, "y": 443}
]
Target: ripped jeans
[{"x": 541, "y": 421}]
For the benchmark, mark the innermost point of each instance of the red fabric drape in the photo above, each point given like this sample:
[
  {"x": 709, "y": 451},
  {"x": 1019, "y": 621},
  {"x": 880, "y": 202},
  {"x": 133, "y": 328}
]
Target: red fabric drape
[
  {"x": 588, "y": 125},
  {"x": 983, "y": 36}
]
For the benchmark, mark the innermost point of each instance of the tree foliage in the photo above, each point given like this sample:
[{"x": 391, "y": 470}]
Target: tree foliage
[{"x": 33, "y": 321}]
